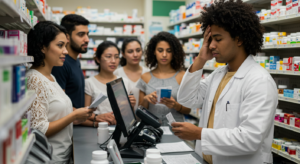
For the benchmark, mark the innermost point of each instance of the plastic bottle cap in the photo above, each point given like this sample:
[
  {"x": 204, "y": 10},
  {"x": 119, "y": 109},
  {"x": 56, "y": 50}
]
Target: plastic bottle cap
[
  {"x": 99, "y": 155},
  {"x": 292, "y": 147},
  {"x": 152, "y": 151},
  {"x": 281, "y": 114},
  {"x": 288, "y": 143},
  {"x": 102, "y": 124}
]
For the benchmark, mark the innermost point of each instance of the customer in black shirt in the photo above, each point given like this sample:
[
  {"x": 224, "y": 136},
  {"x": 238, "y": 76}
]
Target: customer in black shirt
[{"x": 70, "y": 76}]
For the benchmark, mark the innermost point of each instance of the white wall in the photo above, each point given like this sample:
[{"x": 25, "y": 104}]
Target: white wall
[{"x": 119, "y": 6}]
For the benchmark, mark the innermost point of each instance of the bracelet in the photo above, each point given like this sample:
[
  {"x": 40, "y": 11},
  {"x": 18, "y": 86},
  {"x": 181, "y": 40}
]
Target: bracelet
[
  {"x": 180, "y": 108},
  {"x": 95, "y": 120}
]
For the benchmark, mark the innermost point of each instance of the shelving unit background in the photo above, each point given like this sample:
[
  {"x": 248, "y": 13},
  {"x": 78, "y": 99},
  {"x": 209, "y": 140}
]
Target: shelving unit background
[{"x": 289, "y": 24}]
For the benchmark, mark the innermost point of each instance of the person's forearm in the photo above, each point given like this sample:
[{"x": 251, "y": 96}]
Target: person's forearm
[
  {"x": 145, "y": 103},
  {"x": 181, "y": 109},
  {"x": 58, "y": 125},
  {"x": 89, "y": 123},
  {"x": 92, "y": 117},
  {"x": 198, "y": 64}
]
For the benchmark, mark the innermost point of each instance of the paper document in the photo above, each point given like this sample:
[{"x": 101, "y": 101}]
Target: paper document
[
  {"x": 166, "y": 130},
  {"x": 173, "y": 147},
  {"x": 180, "y": 159},
  {"x": 98, "y": 101},
  {"x": 170, "y": 118}
]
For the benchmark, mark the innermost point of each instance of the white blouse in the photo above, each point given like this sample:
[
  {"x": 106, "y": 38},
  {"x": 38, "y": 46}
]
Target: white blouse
[
  {"x": 136, "y": 92},
  {"x": 51, "y": 104},
  {"x": 93, "y": 88}
]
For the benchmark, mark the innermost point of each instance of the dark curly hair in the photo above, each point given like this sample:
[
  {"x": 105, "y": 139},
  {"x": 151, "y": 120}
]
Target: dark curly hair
[
  {"x": 124, "y": 45},
  {"x": 237, "y": 18},
  {"x": 101, "y": 48},
  {"x": 40, "y": 36},
  {"x": 178, "y": 54}
]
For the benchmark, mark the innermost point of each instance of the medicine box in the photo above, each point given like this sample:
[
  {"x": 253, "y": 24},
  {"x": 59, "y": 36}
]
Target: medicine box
[
  {"x": 287, "y": 118},
  {"x": 272, "y": 66},
  {"x": 274, "y": 59},
  {"x": 297, "y": 122},
  {"x": 297, "y": 93},
  {"x": 288, "y": 93}
]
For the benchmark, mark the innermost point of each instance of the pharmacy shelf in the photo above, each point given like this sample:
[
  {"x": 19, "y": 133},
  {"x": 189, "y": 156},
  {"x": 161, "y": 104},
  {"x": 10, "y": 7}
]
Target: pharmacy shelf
[
  {"x": 90, "y": 68},
  {"x": 187, "y": 20},
  {"x": 257, "y": 1},
  {"x": 195, "y": 116},
  {"x": 32, "y": 5},
  {"x": 13, "y": 18},
  {"x": 285, "y": 126},
  {"x": 13, "y": 60},
  {"x": 287, "y": 99},
  {"x": 91, "y": 58},
  {"x": 115, "y": 35},
  {"x": 284, "y": 46},
  {"x": 209, "y": 68},
  {"x": 276, "y": 72},
  {"x": 286, "y": 155},
  {"x": 288, "y": 19},
  {"x": 196, "y": 34},
  {"x": 26, "y": 149},
  {"x": 116, "y": 22},
  {"x": 192, "y": 52},
  {"x": 14, "y": 113}
]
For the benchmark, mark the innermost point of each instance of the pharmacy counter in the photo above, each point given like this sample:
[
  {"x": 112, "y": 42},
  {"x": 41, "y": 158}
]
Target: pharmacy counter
[{"x": 85, "y": 142}]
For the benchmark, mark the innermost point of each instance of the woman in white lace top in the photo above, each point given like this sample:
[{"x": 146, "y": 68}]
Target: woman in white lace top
[{"x": 52, "y": 111}]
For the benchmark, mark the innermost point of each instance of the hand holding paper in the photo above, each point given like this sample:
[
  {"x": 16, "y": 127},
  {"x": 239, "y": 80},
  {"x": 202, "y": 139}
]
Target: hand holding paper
[
  {"x": 170, "y": 118},
  {"x": 98, "y": 101}
]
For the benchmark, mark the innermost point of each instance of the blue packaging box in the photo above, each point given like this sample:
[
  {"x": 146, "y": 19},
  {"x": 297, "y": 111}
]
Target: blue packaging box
[
  {"x": 274, "y": 59},
  {"x": 272, "y": 66},
  {"x": 16, "y": 84},
  {"x": 165, "y": 93},
  {"x": 288, "y": 93}
]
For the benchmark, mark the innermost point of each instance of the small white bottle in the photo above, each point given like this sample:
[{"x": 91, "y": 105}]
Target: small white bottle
[
  {"x": 151, "y": 151},
  {"x": 154, "y": 159},
  {"x": 99, "y": 157},
  {"x": 102, "y": 132}
]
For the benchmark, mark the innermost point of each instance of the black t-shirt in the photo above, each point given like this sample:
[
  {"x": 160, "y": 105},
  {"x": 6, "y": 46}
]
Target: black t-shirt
[{"x": 71, "y": 79}]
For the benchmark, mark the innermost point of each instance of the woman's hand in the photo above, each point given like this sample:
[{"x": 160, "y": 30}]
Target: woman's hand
[
  {"x": 132, "y": 100},
  {"x": 82, "y": 114},
  {"x": 169, "y": 102},
  {"x": 107, "y": 117},
  {"x": 151, "y": 98}
]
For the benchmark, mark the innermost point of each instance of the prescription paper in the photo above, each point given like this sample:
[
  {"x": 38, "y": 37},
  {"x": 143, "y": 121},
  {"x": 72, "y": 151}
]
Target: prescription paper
[
  {"x": 166, "y": 130},
  {"x": 170, "y": 118},
  {"x": 173, "y": 147},
  {"x": 180, "y": 159},
  {"x": 100, "y": 98}
]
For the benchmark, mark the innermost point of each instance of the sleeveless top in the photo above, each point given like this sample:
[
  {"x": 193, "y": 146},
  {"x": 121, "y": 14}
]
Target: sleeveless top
[{"x": 161, "y": 110}]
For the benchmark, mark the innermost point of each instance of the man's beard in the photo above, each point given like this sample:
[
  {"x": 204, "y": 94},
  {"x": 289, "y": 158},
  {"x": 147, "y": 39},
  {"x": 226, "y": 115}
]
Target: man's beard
[{"x": 77, "y": 48}]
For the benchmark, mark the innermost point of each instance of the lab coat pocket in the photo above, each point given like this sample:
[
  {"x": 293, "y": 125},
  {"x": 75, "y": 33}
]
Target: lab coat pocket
[{"x": 232, "y": 115}]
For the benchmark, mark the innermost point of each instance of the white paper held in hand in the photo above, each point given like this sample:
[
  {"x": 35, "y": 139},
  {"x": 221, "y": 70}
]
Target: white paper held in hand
[
  {"x": 170, "y": 118},
  {"x": 100, "y": 98}
]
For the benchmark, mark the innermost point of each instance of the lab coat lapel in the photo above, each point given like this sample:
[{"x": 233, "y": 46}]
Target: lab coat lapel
[
  {"x": 214, "y": 86},
  {"x": 241, "y": 72}
]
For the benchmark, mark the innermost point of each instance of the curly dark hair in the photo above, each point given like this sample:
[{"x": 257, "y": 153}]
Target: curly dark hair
[
  {"x": 40, "y": 36},
  {"x": 178, "y": 54},
  {"x": 123, "y": 61},
  {"x": 239, "y": 19}
]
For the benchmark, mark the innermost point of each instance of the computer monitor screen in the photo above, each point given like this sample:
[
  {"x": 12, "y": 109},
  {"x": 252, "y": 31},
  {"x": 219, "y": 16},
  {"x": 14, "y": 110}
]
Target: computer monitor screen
[{"x": 123, "y": 103}]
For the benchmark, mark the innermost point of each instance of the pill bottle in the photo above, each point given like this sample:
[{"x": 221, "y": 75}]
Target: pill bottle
[
  {"x": 292, "y": 150},
  {"x": 281, "y": 117},
  {"x": 154, "y": 159},
  {"x": 287, "y": 145},
  {"x": 103, "y": 132},
  {"x": 99, "y": 157},
  {"x": 151, "y": 151}
]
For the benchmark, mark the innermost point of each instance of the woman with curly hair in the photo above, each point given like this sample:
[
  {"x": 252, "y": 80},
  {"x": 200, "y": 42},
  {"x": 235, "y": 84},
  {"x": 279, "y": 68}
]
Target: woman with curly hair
[
  {"x": 52, "y": 111},
  {"x": 238, "y": 101},
  {"x": 165, "y": 57},
  {"x": 132, "y": 52}
]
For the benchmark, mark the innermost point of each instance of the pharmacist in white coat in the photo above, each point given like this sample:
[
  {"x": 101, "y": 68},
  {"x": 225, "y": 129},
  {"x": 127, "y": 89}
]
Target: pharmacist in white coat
[{"x": 238, "y": 101}]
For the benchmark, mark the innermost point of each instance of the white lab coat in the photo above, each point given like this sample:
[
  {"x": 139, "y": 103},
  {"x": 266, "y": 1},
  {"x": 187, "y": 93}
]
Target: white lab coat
[{"x": 243, "y": 132}]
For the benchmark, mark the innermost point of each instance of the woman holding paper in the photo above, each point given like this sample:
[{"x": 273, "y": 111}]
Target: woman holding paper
[
  {"x": 107, "y": 57},
  {"x": 165, "y": 56},
  {"x": 51, "y": 111},
  {"x": 131, "y": 57}
]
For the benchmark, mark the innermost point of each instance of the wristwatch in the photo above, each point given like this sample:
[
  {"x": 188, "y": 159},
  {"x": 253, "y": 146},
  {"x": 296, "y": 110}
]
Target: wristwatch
[{"x": 95, "y": 120}]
